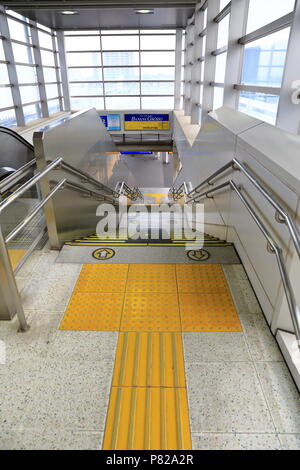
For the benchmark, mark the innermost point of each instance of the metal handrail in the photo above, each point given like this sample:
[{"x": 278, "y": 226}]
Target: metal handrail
[
  {"x": 272, "y": 247},
  {"x": 77, "y": 187},
  {"x": 10, "y": 180},
  {"x": 86, "y": 177},
  {"x": 282, "y": 216},
  {"x": 132, "y": 193}
]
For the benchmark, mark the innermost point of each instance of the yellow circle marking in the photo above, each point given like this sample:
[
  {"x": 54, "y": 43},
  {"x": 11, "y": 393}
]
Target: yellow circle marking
[{"x": 103, "y": 254}]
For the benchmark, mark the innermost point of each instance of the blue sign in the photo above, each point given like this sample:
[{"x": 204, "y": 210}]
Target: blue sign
[
  {"x": 112, "y": 122},
  {"x": 146, "y": 122},
  {"x": 136, "y": 153}
]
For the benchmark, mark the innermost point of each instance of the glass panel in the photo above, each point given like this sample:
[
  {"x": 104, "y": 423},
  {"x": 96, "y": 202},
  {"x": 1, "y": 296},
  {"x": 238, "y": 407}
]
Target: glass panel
[
  {"x": 122, "y": 73},
  {"x": 157, "y": 88},
  {"x": 47, "y": 58},
  {"x": 158, "y": 42},
  {"x": 43, "y": 27},
  {"x": 81, "y": 103},
  {"x": 264, "y": 59},
  {"x": 223, "y": 4},
  {"x": 220, "y": 68},
  {"x": 6, "y": 98},
  {"x": 77, "y": 75},
  {"x": 83, "y": 43},
  {"x": 158, "y": 102},
  {"x": 218, "y": 97},
  {"x": 158, "y": 73},
  {"x": 8, "y": 118},
  {"x": 262, "y": 12},
  {"x": 84, "y": 58},
  {"x": 119, "y": 31},
  {"x": 122, "y": 102},
  {"x": 49, "y": 75},
  {"x": 158, "y": 58},
  {"x": 45, "y": 40},
  {"x": 51, "y": 91},
  {"x": 29, "y": 93},
  {"x": 77, "y": 33},
  {"x": 18, "y": 30},
  {"x": 223, "y": 32},
  {"x": 4, "y": 79},
  {"x": 259, "y": 105},
  {"x": 126, "y": 43},
  {"x": 53, "y": 106},
  {"x": 86, "y": 89},
  {"x": 22, "y": 54},
  {"x": 158, "y": 31},
  {"x": 120, "y": 58},
  {"x": 122, "y": 88},
  {"x": 26, "y": 74},
  {"x": 32, "y": 112},
  {"x": 203, "y": 46}
]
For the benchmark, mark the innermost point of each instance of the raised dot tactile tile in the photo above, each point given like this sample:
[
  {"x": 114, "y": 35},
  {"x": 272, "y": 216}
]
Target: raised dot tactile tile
[
  {"x": 151, "y": 278},
  {"x": 89, "y": 311},
  {"x": 149, "y": 360},
  {"x": 200, "y": 279},
  {"x": 150, "y": 312},
  {"x": 102, "y": 278},
  {"x": 208, "y": 313},
  {"x": 145, "y": 418}
]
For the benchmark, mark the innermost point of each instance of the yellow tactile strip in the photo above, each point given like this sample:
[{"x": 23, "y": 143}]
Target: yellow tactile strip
[
  {"x": 149, "y": 360},
  {"x": 145, "y": 418},
  {"x": 154, "y": 298}
]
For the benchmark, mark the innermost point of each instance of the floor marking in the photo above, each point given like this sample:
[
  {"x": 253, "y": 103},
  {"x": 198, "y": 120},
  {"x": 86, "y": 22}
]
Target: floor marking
[
  {"x": 152, "y": 360},
  {"x": 102, "y": 278},
  {"x": 15, "y": 256},
  {"x": 152, "y": 278},
  {"x": 146, "y": 427}
]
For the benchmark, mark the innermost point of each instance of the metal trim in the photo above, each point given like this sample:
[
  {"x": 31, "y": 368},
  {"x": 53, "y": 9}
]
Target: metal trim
[{"x": 277, "y": 25}]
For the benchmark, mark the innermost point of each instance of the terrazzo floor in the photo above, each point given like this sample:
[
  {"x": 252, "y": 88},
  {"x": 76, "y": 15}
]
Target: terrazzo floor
[{"x": 55, "y": 384}]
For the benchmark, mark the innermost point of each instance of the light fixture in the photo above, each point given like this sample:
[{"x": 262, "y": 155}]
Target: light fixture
[
  {"x": 144, "y": 11},
  {"x": 69, "y": 12}
]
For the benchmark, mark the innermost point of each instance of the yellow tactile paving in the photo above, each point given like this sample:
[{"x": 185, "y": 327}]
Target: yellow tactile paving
[
  {"x": 208, "y": 313},
  {"x": 147, "y": 418},
  {"x": 147, "y": 278},
  {"x": 102, "y": 278},
  {"x": 200, "y": 279},
  {"x": 16, "y": 256},
  {"x": 93, "y": 312},
  {"x": 150, "y": 312},
  {"x": 149, "y": 360}
]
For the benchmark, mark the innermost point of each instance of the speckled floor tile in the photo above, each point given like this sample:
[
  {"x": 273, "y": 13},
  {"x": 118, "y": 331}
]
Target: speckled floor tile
[
  {"x": 215, "y": 347},
  {"x": 17, "y": 386},
  {"x": 34, "y": 343},
  {"x": 290, "y": 441},
  {"x": 88, "y": 345},
  {"x": 282, "y": 396},
  {"x": 47, "y": 267},
  {"x": 243, "y": 296},
  {"x": 28, "y": 267},
  {"x": 226, "y": 398},
  {"x": 65, "y": 439},
  {"x": 47, "y": 294},
  {"x": 70, "y": 394},
  {"x": 209, "y": 441},
  {"x": 262, "y": 344}
]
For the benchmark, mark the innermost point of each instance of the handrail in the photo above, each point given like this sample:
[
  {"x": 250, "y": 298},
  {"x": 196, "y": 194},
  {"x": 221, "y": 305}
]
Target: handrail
[
  {"x": 7, "y": 130},
  {"x": 71, "y": 169},
  {"x": 9, "y": 181},
  {"x": 272, "y": 248},
  {"x": 77, "y": 187},
  {"x": 282, "y": 216},
  {"x": 35, "y": 179},
  {"x": 132, "y": 193}
]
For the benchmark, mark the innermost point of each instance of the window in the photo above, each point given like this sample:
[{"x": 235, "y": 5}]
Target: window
[
  {"x": 218, "y": 97},
  {"x": 132, "y": 65},
  {"x": 262, "y": 12},
  {"x": 223, "y": 32},
  {"x": 158, "y": 102},
  {"x": 259, "y": 105},
  {"x": 264, "y": 59},
  {"x": 220, "y": 68}
]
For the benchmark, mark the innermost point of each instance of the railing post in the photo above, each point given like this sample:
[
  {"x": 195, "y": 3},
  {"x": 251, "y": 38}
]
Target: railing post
[{"x": 16, "y": 302}]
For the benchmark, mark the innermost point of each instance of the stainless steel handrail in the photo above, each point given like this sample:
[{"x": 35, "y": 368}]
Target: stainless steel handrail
[
  {"x": 281, "y": 216},
  {"x": 132, "y": 193},
  {"x": 272, "y": 248},
  {"x": 77, "y": 187},
  {"x": 85, "y": 176},
  {"x": 10, "y": 180}
]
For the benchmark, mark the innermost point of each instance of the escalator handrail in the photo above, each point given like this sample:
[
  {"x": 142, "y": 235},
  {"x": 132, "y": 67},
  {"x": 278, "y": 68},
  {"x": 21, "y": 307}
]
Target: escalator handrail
[
  {"x": 7, "y": 130},
  {"x": 8, "y": 182}
]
